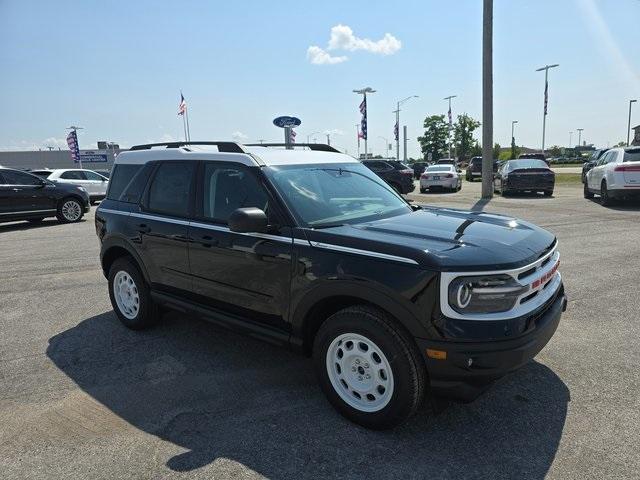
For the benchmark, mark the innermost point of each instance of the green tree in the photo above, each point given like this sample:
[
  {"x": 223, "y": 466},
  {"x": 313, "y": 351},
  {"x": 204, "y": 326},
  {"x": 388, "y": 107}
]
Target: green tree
[
  {"x": 434, "y": 140},
  {"x": 621, "y": 144},
  {"x": 555, "y": 151},
  {"x": 463, "y": 136},
  {"x": 496, "y": 150}
]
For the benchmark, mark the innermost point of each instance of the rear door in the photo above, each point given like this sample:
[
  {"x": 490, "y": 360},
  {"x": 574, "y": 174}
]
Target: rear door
[
  {"x": 162, "y": 225},
  {"x": 96, "y": 184},
  {"x": 247, "y": 274},
  {"x": 23, "y": 192}
]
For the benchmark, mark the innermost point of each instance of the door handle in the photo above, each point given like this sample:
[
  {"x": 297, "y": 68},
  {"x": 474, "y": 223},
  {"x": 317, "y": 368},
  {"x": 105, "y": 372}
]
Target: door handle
[
  {"x": 16, "y": 189},
  {"x": 208, "y": 241},
  {"x": 143, "y": 228}
]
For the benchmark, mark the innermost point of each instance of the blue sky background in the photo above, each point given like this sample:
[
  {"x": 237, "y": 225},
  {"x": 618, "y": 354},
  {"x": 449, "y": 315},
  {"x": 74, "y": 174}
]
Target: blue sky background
[{"x": 116, "y": 68}]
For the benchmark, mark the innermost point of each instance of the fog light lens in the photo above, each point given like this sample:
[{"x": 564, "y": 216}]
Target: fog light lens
[{"x": 436, "y": 354}]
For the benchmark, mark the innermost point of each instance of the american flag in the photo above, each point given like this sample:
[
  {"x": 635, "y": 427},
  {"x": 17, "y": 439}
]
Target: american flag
[
  {"x": 546, "y": 96},
  {"x": 72, "y": 142},
  {"x": 292, "y": 136},
  {"x": 450, "y": 120},
  {"x": 183, "y": 105},
  {"x": 396, "y": 131},
  {"x": 363, "y": 122}
]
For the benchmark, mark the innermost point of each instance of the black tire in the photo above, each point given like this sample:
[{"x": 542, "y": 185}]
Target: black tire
[
  {"x": 605, "y": 199},
  {"x": 587, "y": 192},
  {"x": 548, "y": 193},
  {"x": 64, "y": 208},
  {"x": 422, "y": 190},
  {"x": 398, "y": 350},
  {"x": 35, "y": 221},
  {"x": 503, "y": 191},
  {"x": 147, "y": 312}
]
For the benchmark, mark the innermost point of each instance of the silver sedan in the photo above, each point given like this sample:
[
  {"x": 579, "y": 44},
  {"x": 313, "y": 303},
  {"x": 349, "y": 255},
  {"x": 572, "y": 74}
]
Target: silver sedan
[{"x": 443, "y": 177}]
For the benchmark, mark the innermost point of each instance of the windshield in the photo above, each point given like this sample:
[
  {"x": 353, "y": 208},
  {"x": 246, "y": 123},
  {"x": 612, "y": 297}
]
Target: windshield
[
  {"x": 529, "y": 163},
  {"x": 325, "y": 195},
  {"x": 632, "y": 155},
  {"x": 439, "y": 169}
]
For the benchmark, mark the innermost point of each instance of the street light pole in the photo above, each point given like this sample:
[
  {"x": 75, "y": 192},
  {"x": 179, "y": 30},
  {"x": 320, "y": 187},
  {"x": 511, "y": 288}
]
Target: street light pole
[
  {"x": 546, "y": 97},
  {"x": 513, "y": 139},
  {"x": 629, "y": 124},
  {"x": 309, "y": 136},
  {"x": 579, "y": 135},
  {"x": 487, "y": 99},
  {"x": 449, "y": 113},
  {"x": 328, "y": 138},
  {"x": 363, "y": 92},
  {"x": 397, "y": 132}
]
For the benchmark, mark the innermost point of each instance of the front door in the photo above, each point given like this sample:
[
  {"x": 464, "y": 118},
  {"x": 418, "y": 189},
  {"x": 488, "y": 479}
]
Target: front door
[
  {"x": 162, "y": 226},
  {"x": 23, "y": 192},
  {"x": 243, "y": 274}
]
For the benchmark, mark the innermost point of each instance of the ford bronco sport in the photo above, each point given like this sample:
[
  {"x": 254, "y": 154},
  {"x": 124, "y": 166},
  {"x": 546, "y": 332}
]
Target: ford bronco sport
[{"x": 311, "y": 250}]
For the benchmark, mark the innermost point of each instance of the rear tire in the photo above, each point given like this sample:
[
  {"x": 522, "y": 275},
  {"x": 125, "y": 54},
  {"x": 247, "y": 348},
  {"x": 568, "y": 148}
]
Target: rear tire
[
  {"x": 69, "y": 210},
  {"x": 423, "y": 190},
  {"x": 369, "y": 369},
  {"x": 548, "y": 193},
  {"x": 130, "y": 295}
]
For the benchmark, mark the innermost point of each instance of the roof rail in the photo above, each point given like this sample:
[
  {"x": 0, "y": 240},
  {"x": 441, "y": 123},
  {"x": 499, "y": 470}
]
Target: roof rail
[
  {"x": 227, "y": 147},
  {"x": 318, "y": 147}
]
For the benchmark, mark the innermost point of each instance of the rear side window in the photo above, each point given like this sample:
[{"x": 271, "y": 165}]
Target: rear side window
[
  {"x": 72, "y": 175},
  {"x": 12, "y": 177},
  {"x": 121, "y": 176},
  {"x": 170, "y": 188},
  {"x": 632, "y": 155}
]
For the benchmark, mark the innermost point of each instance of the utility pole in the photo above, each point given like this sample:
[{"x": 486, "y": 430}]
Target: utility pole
[
  {"x": 579, "y": 135},
  {"x": 396, "y": 129},
  {"x": 629, "y": 124},
  {"x": 365, "y": 129},
  {"x": 450, "y": 121},
  {"x": 487, "y": 99},
  {"x": 404, "y": 132},
  {"x": 546, "y": 97}
]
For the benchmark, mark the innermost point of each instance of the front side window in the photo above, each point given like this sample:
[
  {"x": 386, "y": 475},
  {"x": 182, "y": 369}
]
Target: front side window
[
  {"x": 328, "y": 194},
  {"x": 227, "y": 188},
  {"x": 12, "y": 177},
  {"x": 170, "y": 188}
]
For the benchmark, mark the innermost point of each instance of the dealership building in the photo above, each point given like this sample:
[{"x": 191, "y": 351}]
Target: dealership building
[{"x": 99, "y": 159}]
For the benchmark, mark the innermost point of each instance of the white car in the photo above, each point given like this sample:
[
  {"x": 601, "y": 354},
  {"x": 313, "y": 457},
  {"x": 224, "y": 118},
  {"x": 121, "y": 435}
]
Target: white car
[
  {"x": 445, "y": 177},
  {"x": 616, "y": 175},
  {"x": 93, "y": 182}
]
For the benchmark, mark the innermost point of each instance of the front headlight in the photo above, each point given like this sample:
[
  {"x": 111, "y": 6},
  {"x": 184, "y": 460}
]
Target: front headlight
[{"x": 484, "y": 294}]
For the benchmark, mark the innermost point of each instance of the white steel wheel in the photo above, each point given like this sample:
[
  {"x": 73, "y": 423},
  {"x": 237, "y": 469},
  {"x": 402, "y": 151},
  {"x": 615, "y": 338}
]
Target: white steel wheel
[
  {"x": 359, "y": 372},
  {"x": 126, "y": 294},
  {"x": 71, "y": 210}
]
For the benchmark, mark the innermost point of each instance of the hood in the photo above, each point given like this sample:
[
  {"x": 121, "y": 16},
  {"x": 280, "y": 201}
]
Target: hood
[{"x": 447, "y": 239}]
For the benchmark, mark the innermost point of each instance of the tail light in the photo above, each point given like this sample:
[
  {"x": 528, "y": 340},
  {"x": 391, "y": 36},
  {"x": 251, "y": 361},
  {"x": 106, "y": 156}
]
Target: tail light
[
  {"x": 449, "y": 175},
  {"x": 627, "y": 168},
  {"x": 407, "y": 172}
]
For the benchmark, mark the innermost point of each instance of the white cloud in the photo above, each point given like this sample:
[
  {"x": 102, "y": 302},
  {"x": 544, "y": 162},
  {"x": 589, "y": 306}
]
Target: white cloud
[
  {"x": 335, "y": 131},
  {"x": 318, "y": 56},
  {"x": 239, "y": 136},
  {"x": 342, "y": 38},
  {"x": 55, "y": 142}
]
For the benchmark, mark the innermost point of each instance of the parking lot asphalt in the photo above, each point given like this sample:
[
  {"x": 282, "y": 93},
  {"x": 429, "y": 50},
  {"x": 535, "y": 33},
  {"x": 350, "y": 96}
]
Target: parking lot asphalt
[{"x": 82, "y": 397}]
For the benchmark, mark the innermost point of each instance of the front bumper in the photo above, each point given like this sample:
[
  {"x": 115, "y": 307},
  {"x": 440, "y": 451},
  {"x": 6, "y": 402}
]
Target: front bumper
[{"x": 471, "y": 367}]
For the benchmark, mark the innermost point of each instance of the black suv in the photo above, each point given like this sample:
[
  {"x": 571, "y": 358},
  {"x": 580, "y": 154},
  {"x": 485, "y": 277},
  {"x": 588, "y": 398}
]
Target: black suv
[
  {"x": 24, "y": 196},
  {"x": 395, "y": 173},
  {"x": 312, "y": 251},
  {"x": 474, "y": 169}
]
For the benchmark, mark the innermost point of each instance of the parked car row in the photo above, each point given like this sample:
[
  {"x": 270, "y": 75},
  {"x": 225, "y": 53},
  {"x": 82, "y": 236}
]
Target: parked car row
[
  {"x": 24, "y": 196},
  {"x": 395, "y": 173}
]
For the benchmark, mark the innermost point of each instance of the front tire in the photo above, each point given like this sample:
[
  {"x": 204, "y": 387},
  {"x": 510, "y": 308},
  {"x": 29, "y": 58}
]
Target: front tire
[
  {"x": 605, "y": 199},
  {"x": 69, "y": 210},
  {"x": 130, "y": 295},
  {"x": 548, "y": 193},
  {"x": 369, "y": 369},
  {"x": 587, "y": 192}
]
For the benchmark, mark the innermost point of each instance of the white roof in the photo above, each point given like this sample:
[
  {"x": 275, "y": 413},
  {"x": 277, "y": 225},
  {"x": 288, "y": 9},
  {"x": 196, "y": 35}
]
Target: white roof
[{"x": 255, "y": 156}]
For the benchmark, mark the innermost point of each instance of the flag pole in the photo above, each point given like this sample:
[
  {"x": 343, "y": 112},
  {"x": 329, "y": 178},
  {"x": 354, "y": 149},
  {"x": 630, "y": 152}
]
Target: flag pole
[
  {"x": 184, "y": 126},
  {"x": 186, "y": 114}
]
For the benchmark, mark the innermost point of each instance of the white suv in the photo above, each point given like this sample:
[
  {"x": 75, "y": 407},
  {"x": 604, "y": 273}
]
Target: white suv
[
  {"x": 93, "y": 182},
  {"x": 616, "y": 175}
]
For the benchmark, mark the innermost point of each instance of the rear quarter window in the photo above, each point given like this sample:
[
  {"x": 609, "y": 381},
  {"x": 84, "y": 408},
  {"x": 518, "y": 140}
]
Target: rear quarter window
[{"x": 121, "y": 176}]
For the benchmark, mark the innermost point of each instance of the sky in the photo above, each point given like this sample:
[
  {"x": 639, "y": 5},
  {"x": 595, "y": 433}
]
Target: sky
[{"x": 116, "y": 68}]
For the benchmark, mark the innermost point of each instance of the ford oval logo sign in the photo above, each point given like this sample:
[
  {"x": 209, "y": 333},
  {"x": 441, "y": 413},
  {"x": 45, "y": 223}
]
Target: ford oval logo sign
[{"x": 284, "y": 122}]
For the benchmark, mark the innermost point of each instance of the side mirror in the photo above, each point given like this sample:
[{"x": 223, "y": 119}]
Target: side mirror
[{"x": 248, "y": 220}]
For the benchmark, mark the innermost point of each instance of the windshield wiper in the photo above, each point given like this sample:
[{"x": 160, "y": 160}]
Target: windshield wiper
[{"x": 327, "y": 225}]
